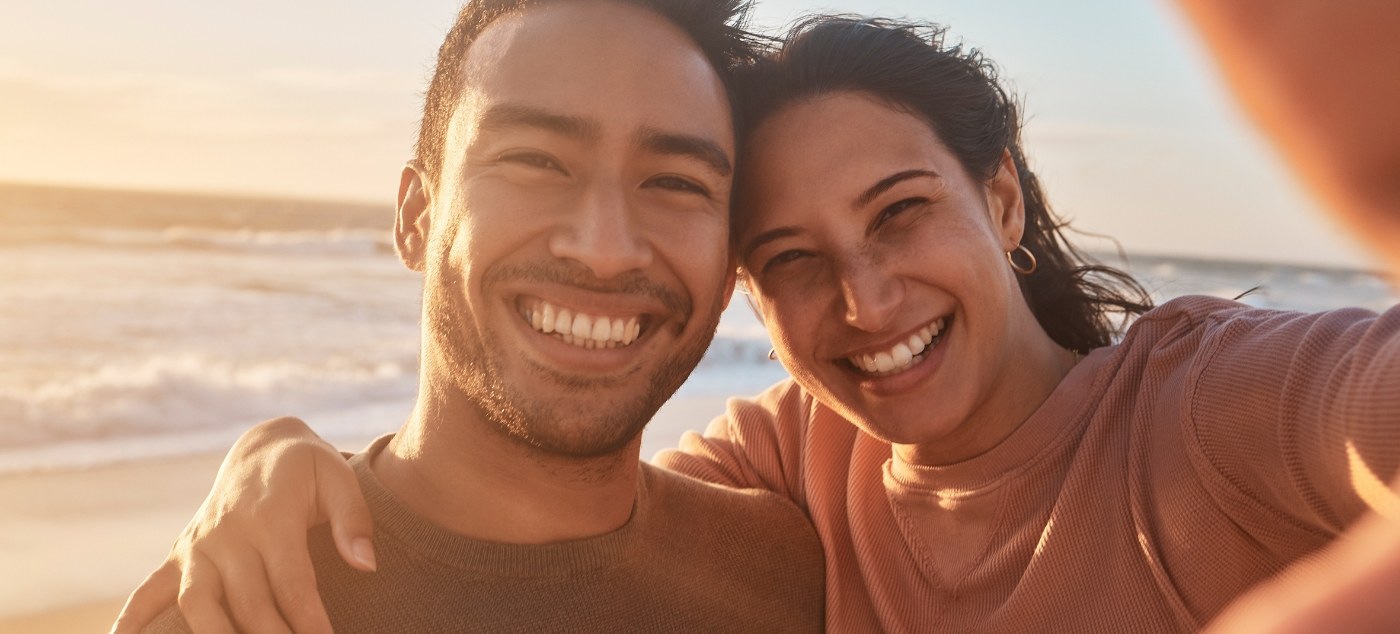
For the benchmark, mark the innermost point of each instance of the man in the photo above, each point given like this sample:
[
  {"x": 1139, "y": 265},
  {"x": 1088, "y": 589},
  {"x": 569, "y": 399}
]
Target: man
[{"x": 570, "y": 185}]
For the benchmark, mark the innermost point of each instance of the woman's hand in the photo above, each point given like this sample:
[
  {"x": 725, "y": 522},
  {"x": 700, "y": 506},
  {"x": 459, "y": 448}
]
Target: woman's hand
[
  {"x": 1350, "y": 586},
  {"x": 242, "y": 562}
]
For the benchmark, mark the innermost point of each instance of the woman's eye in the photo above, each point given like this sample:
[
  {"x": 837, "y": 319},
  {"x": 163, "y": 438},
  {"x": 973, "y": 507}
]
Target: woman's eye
[
  {"x": 783, "y": 258},
  {"x": 897, "y": 208},
  {"x": 676, "y": 183}
]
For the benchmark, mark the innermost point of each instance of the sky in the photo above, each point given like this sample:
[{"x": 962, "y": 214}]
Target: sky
[{"x": 1128, "y": 125}]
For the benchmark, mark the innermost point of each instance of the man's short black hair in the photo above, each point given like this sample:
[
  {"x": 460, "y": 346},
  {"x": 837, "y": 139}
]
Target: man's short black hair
[{"x": 718, "y": 28}]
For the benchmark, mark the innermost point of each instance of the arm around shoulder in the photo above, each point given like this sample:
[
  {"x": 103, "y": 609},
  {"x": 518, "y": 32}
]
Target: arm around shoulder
[{"x": 756, "y": 444}]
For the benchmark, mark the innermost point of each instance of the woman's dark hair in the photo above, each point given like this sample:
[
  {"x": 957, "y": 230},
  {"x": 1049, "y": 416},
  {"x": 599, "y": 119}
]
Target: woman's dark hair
[{"x": 956, "y": 92}]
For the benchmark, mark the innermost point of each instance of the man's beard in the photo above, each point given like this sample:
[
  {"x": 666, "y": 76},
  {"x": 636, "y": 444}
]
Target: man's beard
[{"x": 569, "y": 421}]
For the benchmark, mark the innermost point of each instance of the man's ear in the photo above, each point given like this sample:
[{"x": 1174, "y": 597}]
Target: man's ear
[
  {"x": 1005, "y": 203},
  {"x": 413, "y": 217}
]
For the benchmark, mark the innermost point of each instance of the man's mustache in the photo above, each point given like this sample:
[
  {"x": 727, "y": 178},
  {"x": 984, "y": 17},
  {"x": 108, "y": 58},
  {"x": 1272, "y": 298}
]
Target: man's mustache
[{"x": 578, "y": 276}]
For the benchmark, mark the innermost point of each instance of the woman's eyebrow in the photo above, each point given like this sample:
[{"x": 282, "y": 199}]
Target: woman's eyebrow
[
  {"x": 766, "y": 237},
  {"x": 890, "y": 181}
]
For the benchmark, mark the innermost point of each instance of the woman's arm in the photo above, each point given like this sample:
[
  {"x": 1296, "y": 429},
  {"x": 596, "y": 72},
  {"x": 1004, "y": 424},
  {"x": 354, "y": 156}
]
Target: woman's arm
[
  {"x": 246, "y": 548},
  {"x": 1322, "y": 79},
  {"x": 756, "y": 444},
  {"x": 1319, "y": 78}
]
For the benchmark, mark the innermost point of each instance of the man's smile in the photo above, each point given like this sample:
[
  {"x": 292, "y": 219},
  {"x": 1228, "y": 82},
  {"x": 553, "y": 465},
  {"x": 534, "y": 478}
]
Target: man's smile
[{"x": 578, "y": 328}]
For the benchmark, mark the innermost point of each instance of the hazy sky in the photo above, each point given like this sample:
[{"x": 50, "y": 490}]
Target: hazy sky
[{"x": 1127, "y": 125}]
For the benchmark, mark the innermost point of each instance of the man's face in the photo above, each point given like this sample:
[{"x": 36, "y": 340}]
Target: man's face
[{"x": 576, "y": 260}]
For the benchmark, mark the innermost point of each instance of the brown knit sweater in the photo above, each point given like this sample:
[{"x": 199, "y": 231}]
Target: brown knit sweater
[
  {"x": 694, "y": 557},
  {"x": 1214, "y": 445}
]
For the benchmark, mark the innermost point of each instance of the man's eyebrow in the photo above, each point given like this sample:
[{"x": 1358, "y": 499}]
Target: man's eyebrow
[
  {"x": 890, "y": 181},
  {"x": 510, "y": 115},
  {"x": 699, "y": 148}
]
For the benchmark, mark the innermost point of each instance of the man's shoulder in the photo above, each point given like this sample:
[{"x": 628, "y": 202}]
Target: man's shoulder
[
  {"x": 751, "y": 526},
  {"x": 676, "y": 494}
]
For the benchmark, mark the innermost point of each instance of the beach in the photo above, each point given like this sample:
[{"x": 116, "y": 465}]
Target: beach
[
  {"x": 141, "y": 333},
  {"x": 75, "y": 542}
]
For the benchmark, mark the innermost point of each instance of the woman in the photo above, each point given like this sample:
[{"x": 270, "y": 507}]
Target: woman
[{"x": 973, "y": 450}]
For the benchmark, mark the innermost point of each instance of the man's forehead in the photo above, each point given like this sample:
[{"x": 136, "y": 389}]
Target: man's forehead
[{"x": 598, "y": 60}]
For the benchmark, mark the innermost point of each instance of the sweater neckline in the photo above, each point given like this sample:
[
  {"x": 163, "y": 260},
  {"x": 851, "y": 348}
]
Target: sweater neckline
[
  {"x": 1044, "y": 434},
  {"x": 394, "y": 521}
]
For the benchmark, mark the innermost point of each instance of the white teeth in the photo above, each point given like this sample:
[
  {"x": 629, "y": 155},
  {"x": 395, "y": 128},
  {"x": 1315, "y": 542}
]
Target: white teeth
[
  {"x": 546, "y": 319},
  {"x": 900, "y": 356},
  {"x": 602, "y": 329},
  {"x": 583, "y": 326},
  {"x": 586, "y": 331}
]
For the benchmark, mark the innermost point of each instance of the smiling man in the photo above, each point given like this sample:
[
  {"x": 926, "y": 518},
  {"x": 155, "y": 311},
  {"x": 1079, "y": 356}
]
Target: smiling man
[{"x": 568, "y": 208}]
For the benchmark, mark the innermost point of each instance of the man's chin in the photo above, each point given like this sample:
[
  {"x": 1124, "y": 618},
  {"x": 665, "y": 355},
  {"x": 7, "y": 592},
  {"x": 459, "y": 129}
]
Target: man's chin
[{"x": 580, "y": 428}]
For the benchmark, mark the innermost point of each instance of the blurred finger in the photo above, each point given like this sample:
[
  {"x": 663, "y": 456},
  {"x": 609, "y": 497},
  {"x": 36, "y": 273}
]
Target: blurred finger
[
  {"x": 293, "y": 579},
  {"x": 248, "y": 595},
  {"x": 159, "y": 591},
  {"x": 343, "y": 504},
  {"x": 201, "y": 596}
]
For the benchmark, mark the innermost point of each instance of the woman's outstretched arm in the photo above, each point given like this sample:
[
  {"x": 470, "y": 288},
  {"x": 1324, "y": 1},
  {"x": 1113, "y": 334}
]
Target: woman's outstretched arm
[
  {"x": 243, "y": 561},
  {"x": 1322, "y": 80}
]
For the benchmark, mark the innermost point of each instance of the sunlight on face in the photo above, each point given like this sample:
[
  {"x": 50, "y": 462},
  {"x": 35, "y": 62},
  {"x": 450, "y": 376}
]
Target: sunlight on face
[
  {"x": 586, "y": 178},
  {"x": 879, "y": 268}
]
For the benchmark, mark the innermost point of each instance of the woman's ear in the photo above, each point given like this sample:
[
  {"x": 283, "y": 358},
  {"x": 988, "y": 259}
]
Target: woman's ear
[
  {"x": 743, "y": 287},
  {"x": 413, "y": 217},
  {"x": 1005, "y": 204}
]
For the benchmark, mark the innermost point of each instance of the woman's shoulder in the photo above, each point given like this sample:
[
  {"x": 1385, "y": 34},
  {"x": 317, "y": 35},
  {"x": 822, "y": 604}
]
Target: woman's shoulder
[{"x": 1202, "y": 316}]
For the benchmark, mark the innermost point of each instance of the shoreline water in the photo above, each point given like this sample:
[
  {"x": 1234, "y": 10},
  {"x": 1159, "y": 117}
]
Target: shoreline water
[{"x": 143, "y": 332}]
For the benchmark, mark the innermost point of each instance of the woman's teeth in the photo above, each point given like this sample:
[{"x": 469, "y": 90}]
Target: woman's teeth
[
  {"x": 581, "y": 329},
  {"x": 902, "y": 355}
]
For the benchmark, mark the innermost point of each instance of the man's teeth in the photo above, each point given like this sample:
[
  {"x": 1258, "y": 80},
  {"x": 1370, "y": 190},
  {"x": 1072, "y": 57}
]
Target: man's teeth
[
  {"x": 902, "y": 355},
  {"x": 580, "y": 329}
]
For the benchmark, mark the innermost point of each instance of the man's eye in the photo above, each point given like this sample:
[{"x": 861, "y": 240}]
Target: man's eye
[
  {"x": 532, "y": 159},
  {"x": 679, "y": 184}
]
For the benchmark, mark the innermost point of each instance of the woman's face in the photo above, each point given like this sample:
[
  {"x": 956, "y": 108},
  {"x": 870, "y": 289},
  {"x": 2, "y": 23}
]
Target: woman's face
[{"x": 878, "y": 264}]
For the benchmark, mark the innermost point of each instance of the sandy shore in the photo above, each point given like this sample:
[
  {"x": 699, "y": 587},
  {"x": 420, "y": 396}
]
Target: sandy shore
[{"x": 75, "y": 543}]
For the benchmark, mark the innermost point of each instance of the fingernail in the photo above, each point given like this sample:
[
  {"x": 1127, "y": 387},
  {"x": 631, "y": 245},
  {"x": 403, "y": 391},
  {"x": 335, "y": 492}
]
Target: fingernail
[{"x": 364, "y": 552}]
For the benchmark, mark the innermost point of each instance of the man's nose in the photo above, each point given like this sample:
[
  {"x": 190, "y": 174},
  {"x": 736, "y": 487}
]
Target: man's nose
[
  {"x": 871, "y": 296},
  {"x": 602, "y": 233}
]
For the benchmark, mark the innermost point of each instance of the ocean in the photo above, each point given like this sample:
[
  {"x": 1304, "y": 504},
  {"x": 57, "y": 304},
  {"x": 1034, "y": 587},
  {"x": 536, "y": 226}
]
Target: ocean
[{"x": 137, "y": 325}]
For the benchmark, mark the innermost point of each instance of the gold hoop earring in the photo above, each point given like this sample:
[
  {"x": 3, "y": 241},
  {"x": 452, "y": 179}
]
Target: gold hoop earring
[{"x": 1023, "y": 270}]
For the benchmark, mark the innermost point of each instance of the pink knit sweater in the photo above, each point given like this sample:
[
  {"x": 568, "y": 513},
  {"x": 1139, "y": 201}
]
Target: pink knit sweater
[{"x": 1166, "y": 474}]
